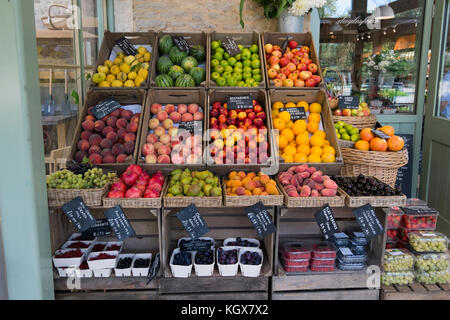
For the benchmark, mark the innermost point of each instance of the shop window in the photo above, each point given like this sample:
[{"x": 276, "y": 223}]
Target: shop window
[
  {"x": 372, "y": 51},
  {"x": 444, "y": 89}
]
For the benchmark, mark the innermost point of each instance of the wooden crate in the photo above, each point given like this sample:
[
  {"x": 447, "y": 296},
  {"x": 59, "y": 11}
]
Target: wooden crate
[
  {"x": 306, "y": 39},
  {"x": 146, "y": 223},
  {"x": 192, "y": 38},
  {"x": 135, "y": 38},
  {"x": 245, "y": 39},
  {"x": 197, "y": 96},
  {"x": 223, "y": 223},
  {"x": 221, "y": 95},
  {"x": 416, "y": 291},
  {"x": 310, "y": 96},
  {"x": 124, "y": 97},
  {"x": 299, "y": 223}
]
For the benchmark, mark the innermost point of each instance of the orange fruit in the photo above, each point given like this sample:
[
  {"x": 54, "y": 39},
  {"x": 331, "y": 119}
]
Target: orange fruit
[
  {"x": 314, "y": 158},
  {"x": 275, "y": 114},
  {"x": 285, "y": 116},
  {"x": 304, "y": 148},
  {"x": 289, "y": 125},
  {"x": 362, "y": 145},
  {"x": 287, "y": 158},
  {"x": 326, "y": 143},
  {"x": 395, "y": 143},
  {"x": 314, "y": 117},
  {"x": 378, "y": 144},
  {"x": 232, "y": 174},
  {"x": 277, "y": 105},
  {"x": 321, "y": 133},
  {"x": 312, "y": 127},
  {"x": 316, "y": 141},
  {"x": 328, "y": 158},
  {"x": 290, "y": 105},
  {"x": 366, "y": 134},
  {"x": 329, "y": 150},
  {"x": 300, "y": 158},
  {"x": 315, "y": 108},
  {"x": 302, "y": 138},
  {"x": 388, "y": 130},
  {"x": 317, "y": 151},
  {"x": 303, "y": 104},
  {"x": 282, "y": 142},
  {"x": 290, "y": 150},
  {"x": 279, "y": 124},
  {"x": 288, "y": 134},
  {"x": 299, "y": 127}
]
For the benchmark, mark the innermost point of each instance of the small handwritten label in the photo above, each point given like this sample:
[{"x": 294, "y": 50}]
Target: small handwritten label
[
  {"x": 193, "y": 222},
  {"x": 261, "y": 220},
  {"x": 370, "y": 225},
  {"x": 79, "y": 214},
  {"x": 126, "y": 46},
  {"x": 239, "y": 102},
  {"x": 181, "y": 43},
  {"x": 297, "y": 113},
  {"x": 348, "y": 102},
  {"x": 230, "y": 46},
  {"x": 119, "y": 223},
  {"x": 105, "y": 107},
  {"x": 327, "y": 223}
]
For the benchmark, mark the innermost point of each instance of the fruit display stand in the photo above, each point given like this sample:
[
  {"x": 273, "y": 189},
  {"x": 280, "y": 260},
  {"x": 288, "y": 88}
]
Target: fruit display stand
[
  {"x": 298, "y": 224},
  {"x": 311, "y": 96},
  {"x": 245, "y": 39},
  {"x": 303, "y": 39},
  {"x": 145, "y": 222},
  {"x": 223, "y": 223},
  {"x": 192, "y": 38},
  {"x": 163, "y": 97},
  {"x": 220, "y": 95},
  {"x": 147, "y": 39}
]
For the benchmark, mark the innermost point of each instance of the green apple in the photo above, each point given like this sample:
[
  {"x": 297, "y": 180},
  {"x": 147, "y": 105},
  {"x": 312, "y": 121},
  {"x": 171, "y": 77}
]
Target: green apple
[
  {"x": 221, "y": 82},
  {"x": 239, "y": 65},
  {"x": 226, "y": 75},
  {"x": 219, "y": 69},
  {"x": 256, "y": 71},
  {"x": 255, "y": 56},
  {"x": 249, "y": 80},
  {"x": 229, "y": 69},
  {"x": 224, "y": 63},
  {"x": 215, "y": 76},
  {"x": 238, "y": 57},
  {"x": 236, "y": 69},
  {"x": 218, "y": 56},
  {"x": 247, "y": 69},
  {"x": 256, "y": 64},
  {"x": 246, "y": 75},
  {"x": 241, "y": 83},
  {"x": 247, "y": 63},
  {"x": 355, "y": 137},
  {"x": 255, "y": 84},
  {"x": 254, "y": 48},
  {"x": 214, "y": 63},
  {"x": 346, "y": 137},
  {"x": 231, "y": 61},
  {"x": 232, "y": 82},
  {"x": 215, "y": 45},
  {"x": 241, "y": 47},
  {"x": 226, "y": 55},
  {"x": 220, "y": 50},
  {"x": 246, "y": 54},
  {"x": 237, "y": 75},
  {"x": 247, "y": 85},
  {"x": 257, "y": 78}
]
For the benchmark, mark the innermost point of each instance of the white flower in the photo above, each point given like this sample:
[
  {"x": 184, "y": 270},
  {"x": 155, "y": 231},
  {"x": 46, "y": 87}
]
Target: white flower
[
  {"x": 318, "y": 3},
  {"x": 371, "y": 63},
  {"x": 300, "y": 8}
]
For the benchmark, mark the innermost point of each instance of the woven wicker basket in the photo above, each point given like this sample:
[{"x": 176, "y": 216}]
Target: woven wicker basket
[
  {"x": 381, "y": 165},
  {"x": 310, "y": 202},
  {"x": 200, "y": 202},
  {"x": 246, "y": 201},
  {"x": 91, "y": 197},
  {"x": 346, "y": 144},
  {"x": 358, "y": 122},
  {"x": 136, "y": 203}
]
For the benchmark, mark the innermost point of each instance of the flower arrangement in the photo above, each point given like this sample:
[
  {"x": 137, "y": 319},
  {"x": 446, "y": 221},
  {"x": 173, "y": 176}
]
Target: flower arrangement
[
  {"x": 273, "y": 8},
  {"x": 387, "y": 61}
]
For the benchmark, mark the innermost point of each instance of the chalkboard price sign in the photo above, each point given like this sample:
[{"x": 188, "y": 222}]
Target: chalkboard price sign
[
  {"x": 370, "y": 225},
  {"x": 154, "y": 268},
  {"x": 405, "y": 173},
  {"x": 261, "y": 220},
  {"x": 195, "y": 245},
  {"x": 327, "y": 223},
  {"x": 193, "y": 222},
  {"x": 381, "y": 134},
  {"x": 239, "y": 102},
  {"x": 419, "y": 210},
  {"x": 79, "y": 214},
  {"x": 296, "y": 113},
  {"x": 105, "y": 107},
  {"x": 191, "y": 126},
  {"x": 181, "y": 43},
  {"x": 348, "y": 102},
  {"x": 126, "y": 46},
  {"x": 100, "y": 229},
  {"x": 231, "y": 47},
  {"x": 119, "y": 223}
]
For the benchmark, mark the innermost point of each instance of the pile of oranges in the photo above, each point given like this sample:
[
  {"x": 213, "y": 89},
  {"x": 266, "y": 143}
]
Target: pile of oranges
[
  {"x": 302, "y": 141},
  {"x": 250, "y": 184},
  {"x": 370, "y": 142}
]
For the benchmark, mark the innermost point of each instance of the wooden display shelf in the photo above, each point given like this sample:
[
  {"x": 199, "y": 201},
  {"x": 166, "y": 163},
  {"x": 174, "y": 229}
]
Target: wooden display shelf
[{"x": 416, "y": 291}]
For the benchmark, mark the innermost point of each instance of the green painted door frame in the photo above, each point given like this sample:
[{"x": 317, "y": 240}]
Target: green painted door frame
[
  {"x": 435, "y": 185},
  {"x": 23, "y": 198}
]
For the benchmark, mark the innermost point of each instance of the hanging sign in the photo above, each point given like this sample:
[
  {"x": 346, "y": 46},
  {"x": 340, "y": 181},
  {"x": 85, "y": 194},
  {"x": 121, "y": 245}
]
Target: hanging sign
[
  {"x": 193, "y": 222},
  {"x": 126, "y": 46},
  {"x": 367, "y": 219},
  {"x": 230, "y": 46},
  {"x": 79, "y": 214},
  {"x": 105, "y": 107},
  {"x": 348, "y": 102},
  {"x": 261, "y": 220},
  {"x": 327, "y": 223},
  {"x": 119, "y": 223}
]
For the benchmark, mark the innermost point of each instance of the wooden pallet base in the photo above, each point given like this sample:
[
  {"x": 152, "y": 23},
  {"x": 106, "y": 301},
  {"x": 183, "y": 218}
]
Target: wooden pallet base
[
  {"x": 416, "y": 291},
  {"x": 217, "y": 296},
  {"x": 358, "y": 294},
  {"x": 110, "y": 295}
]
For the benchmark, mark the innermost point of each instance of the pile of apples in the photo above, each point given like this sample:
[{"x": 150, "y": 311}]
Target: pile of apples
[
  {"x": 136, "y": 183},
  {"x": 293, "y": 68},
  {"x": 238, "y": 136},
  {"x": 362, "y": 111}
]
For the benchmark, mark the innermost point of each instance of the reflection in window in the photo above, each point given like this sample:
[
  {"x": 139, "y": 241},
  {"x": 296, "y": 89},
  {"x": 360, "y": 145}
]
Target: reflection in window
[{"x": 444, "y": 91}]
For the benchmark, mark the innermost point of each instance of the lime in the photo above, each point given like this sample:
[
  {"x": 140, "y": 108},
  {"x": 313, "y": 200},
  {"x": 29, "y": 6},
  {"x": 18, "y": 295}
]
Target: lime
[{"x": 346, "y": 137}]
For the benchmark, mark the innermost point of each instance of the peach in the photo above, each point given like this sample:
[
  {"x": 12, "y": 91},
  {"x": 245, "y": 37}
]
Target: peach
[
  {"x": 159, "y": 131},
  {"x": 105, "y": 152},
  {"x": 79, "y": 156},
  {"x": 157, "y": 145},
  {"x": 121, "y": 133},
  {"x": 95, "y": 139},
  {"x": 177, "y": 159},
  {"x": 169, "y": 108},
  {"x": 95, "y": 149},
  {"x": 182, "y": 109},
  {"x": 165, "y": 139},
  {"x": 121, "y": 158},
  {"x": 130, "y": 137},
  {"x": 132, "y": 127},
  {"x": 155, "y": 108},
  {"x": 112, "y": 136},
  {"x": 319, "y": 187},
  {"x": 305, "y": 175},
  {"x": 162, "y": 115},
  {"x": 187, "y": 117},
  {"x": 330, "y": 184},
  {"x": 109, "y": 159},
  {"x": 122, "y": 123},
  {"x": 163, "y": 150},
  {"x": 328, "y": 192},
  {"x": 198, "y": 116},
  {"x": 293, "y": 194},
  {"x": 296, "y": 180},
  {"x": 127, "y": 114},
  {"x": 117, "y": 149},
  {"x": 240, "y": 191},
  {"x": 89, "y": 117},
  {"x": 116, "y": 113},
  {"x": 111, "y": 121},
  {"x": 147, "y": 149},
  {"x": 88, "y": 125},
  {"x": 152, "y": 138},
  {"x": 83, "y": 145},
  {"x": 167, "y": 124},
  {"x": 95, "y": 158},
  {"x": 163, "y": 159},
  {"x": 136, "y": 118},
  {"x": 315, "y": 194},
  {"x": 99, "y": 125},
  {"x": 193, "y": 108},
  {"x": 192, "y": 159},
  {"x": 311, "y": 170},
  {"x": 129, "y": 147},
  {"x": 302, "y": 168},
  {"x": 173, "y": 132},
  {"x": 175, "y": 117},
  {"x": 151, "y": 159},
  {"x": 106, "y": 144},
  {"x": 85, "y": 135},
  {"x": 305, "y": 192},
  {"x": 317, "y": 177},
  {"x": 107, "y": 130}
]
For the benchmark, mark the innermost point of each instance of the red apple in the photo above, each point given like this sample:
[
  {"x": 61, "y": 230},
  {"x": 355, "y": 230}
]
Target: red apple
[
  {"x": 268, "y": 48},
  {"x": 305, "y": 49},
  {"x": 288, "y": 83},
  {"x": 302, "y": 67},
  {"x": 305, "y": 75},
  {"x": 248, "y": 122},
  {"x": 286, "y": 71},
  {"x": 261, "y": 115},
  {"x": 272, "y": 73},
  {"x": 284, "y": 61},
  {"x": 275, "y": 67},
  {"x": 222, "y": 119},
  {"x": 299, "y": 83},
  {"x": 213, "y": 121},
  {"x": 295, "y": 61},
  {"x": 274, "y": 60},
  {"x": 312, "y": 67},
  {"x": 276, "y": 47},
  {"x": 318, "y": 79},
  {"x": 251, "y": 115},
  {"x": 293, "y": 76},
  {"x": 281, "y": 76},
  {"x": 292, "y": 44},
  {"x": 299, "y": 55},
  {"x": 291, "y": 67},
  {"x": 217, "y": 105},
  {"x": 257, "y": 108},
  {"x": 337, "y": 112},
  {"x": 278, "y": 82},
  {"x": 276, "y": 53},
  {"x": 258, "y": 122},
  {"x": 242, "y": 115},
  {"x": 310, "y": 83},
  {"x": 214, "y": 113},
  {"x": 347, "y": 112}
]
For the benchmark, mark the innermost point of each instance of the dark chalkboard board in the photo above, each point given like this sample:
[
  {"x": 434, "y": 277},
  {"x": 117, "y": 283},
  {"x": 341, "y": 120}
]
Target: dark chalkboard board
[
  {"x": 405, "y": 173},
  {"x": 230, "y": 46},
  {"x": 191, "y": 126},
  {"x": 79, "y": 214},
  {"x": 181, "y": 43},
  {"x": 381, "y": 134},
  {"x": 126, "y": 46},
  {"x": 368, "y": 221},
  {"x": 195, "y": 245},
  {"x": 193, "y": 222},
  {"x": 261, "y": 220},
  {"x": 100, "y": 229},
  {"x": 327, "y": 223},
  {"x": 297, "y": 113},
  {"x": 154, "y": 268},
  {"x": 119, "y": 223},
  {"x": 105, "y": 107},
  {"x": 348, "y": 102},
  {"x": 239, "y": 102}
]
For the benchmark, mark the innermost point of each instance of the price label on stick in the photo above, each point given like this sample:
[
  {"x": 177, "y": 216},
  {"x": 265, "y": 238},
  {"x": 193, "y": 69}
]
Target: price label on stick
[
  {"x": 367, "y": 219},
  {"x": 105, "y": 107},
  {"x": 239, "y": 102},
  {"x": 261, "y": 220},
  {"x": 297, "y": 113},
  {"x": 100, "y": 229},
  {"x": 119, "y": 223},
  {"x": 79, "y": 214},
  {"x": 327, "y": 223},
  {"x": 230, "y": 46},
  {"x": 126, "y": 46},
  {"x": 348, "y": 102},
  {"x": 193, "y": 222},
  {"x": 181, "y": 44},
  {"x": 154, "y": 268}
]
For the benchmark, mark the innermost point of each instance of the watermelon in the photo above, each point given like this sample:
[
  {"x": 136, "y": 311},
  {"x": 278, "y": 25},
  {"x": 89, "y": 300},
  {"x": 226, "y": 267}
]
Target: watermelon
[
  {"x": 164, "y": 81},
  {"x": 198, "y": 74},
  {"x": 176, "y": 71},
  {"x": 198, "y": 52},
  {"x": 185, "y": 81},
  {"x": 165, "y": 43},
  {"x": 188, "y": 63},
  {"x": 176, "y": 55},
  {"x": 163, "y": 65}
]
